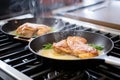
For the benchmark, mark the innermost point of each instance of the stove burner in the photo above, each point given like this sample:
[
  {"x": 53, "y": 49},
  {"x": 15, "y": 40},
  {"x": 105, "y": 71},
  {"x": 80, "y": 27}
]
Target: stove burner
[{"x": 69, "y": 75}]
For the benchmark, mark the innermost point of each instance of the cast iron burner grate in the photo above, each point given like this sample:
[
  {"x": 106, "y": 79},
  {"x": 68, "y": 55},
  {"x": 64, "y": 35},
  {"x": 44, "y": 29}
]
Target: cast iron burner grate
[{"x": 15, "y": 54}]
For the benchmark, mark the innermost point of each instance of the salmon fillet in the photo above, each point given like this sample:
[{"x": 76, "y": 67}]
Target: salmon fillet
[
  {"x": 79, "y": 48},
  {"x": 62, "y": 47},
  {"x": 42, "y": 29},
  {"x": 76, "y": 46},
  {"x": 28, "y": 30}
]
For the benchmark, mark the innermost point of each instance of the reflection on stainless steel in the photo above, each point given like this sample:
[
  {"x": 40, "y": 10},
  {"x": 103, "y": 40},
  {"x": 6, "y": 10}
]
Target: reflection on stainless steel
[
  {"x": 101, "y": 6},
  {"x": 90, "y": 25}
]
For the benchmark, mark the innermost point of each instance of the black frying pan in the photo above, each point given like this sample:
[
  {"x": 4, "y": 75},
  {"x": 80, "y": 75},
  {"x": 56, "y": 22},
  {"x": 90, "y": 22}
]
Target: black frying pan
[
  {"x": 12, "y": 25},
  {"x": 93, "y": 38}
]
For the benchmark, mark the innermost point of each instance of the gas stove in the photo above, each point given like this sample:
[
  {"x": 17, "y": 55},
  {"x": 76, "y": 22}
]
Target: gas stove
[{"x": 18, "y": 63}]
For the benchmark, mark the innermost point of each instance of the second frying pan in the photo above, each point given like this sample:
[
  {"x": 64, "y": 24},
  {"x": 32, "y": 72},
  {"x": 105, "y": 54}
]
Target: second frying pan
[
  {"x": 93, "y": 38},
  {"x": 12, "y": 25}
]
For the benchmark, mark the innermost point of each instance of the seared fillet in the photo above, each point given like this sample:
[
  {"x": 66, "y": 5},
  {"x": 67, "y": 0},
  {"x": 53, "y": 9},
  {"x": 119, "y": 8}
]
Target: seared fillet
[
  {"x": 79, "y": 48},
  {"x": 76, "y": 46},
  {"x": 76, "y": 40},
  {"x": 42, "y": 29},
  {"x": 26, "y": 30},
  {"x": 62, "y": 47}
]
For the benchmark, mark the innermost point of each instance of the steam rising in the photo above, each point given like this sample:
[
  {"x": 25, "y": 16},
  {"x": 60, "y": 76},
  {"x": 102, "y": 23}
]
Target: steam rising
[
  {"x": 43, "y": 8},
  {"x": 40, "y": 8}
]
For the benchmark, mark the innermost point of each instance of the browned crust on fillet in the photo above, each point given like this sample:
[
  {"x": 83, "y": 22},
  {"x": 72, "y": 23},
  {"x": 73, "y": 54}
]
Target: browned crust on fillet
[{"x": 76, "y": 46}]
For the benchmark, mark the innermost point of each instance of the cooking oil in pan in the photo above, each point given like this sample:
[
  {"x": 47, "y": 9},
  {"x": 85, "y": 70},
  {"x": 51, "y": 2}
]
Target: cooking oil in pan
[{"x": 52, "y": 54}]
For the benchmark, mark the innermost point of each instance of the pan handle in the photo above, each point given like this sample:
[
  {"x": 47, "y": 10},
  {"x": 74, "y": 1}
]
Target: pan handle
[
  {"x": 27, "y": 40},
  {"x": 112, "y": 60}
]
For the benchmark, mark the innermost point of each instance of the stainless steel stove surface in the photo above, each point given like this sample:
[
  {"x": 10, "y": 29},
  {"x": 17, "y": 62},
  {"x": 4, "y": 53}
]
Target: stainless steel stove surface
[{"x": 20, "y": 64}]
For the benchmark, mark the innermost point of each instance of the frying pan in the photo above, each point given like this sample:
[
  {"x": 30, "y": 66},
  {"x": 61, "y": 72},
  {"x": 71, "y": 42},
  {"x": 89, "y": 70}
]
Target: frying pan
[
  {"x": 93, "y": 38},
  {"x": 12, "y": 25}
]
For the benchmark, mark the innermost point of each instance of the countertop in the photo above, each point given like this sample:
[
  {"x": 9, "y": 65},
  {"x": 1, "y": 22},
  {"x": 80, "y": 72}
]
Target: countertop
[{"x": 105, "y": 14}]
